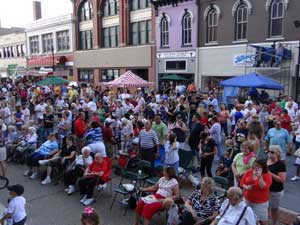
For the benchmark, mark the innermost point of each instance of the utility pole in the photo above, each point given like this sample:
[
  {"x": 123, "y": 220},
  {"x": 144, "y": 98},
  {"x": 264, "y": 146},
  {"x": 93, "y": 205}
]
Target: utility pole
[{"x": 52, "y": 50}]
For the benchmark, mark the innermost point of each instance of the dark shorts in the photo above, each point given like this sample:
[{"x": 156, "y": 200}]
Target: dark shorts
[{"x": 22, "y": 222}]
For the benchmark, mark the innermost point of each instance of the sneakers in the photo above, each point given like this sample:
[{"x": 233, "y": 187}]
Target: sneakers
[
  {"x": 66, "y": 190},
  {"x": 34, "y": 175},
  {"x": 43, "y": 162},
  {"x": 101, "y": 186},
  {"x": 71, "y": 190},
  {"x": 46, "y": 181},
  {"x": 88, "y": 201},
  {"x": 83, "y": 199},
  {"x": 27, "y": 173},
  {"x": 295, "y": 178}
]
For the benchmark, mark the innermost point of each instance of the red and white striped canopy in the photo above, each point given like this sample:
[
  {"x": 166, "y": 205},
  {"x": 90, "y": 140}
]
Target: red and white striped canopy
[{"x": 127, "y": 80}]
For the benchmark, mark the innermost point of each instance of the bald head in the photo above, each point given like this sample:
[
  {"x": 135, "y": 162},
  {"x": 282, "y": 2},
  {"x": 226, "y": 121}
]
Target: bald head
[{"x": 235, "y": 195}]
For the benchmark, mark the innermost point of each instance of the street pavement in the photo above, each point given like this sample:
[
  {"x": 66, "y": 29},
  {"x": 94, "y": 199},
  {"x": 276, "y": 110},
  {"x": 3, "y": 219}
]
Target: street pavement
[{"x": 49, "y": 205}]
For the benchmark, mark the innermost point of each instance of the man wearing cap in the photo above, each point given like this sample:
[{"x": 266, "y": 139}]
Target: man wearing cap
[{"x": 16, "y": 207}]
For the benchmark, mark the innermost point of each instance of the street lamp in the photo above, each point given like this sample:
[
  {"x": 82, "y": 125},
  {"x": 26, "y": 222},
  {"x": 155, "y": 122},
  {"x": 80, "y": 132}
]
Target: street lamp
[{"x": 297, "y": 25}]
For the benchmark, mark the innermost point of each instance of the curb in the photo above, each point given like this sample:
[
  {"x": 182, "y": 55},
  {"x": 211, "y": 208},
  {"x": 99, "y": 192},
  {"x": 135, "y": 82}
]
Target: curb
[{"x": 287, "y": 216}]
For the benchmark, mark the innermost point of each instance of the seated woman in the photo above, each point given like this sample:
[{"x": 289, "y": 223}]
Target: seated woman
[
  {"x": 11, "y": 140},
  {"x": 202, "y": 206},
  {"x": 60, "y": 159},
  {"x": 20, "y": 142},
  {"x": 64, "y": 127},
  {"x": 166, "y": 187},
  {"x": 77, "y": 169},
  {"x": 47, "y": 149},
  {"x": 94, "y": 174}
]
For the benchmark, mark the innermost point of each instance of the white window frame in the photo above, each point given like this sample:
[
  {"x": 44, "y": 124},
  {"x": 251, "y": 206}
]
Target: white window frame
[
  {"x": 187, "y": 30},
  {"x": 212, "y": 25},
  {"x": 276, "y": 17},
  {"x": 239, "y": 33},
  {"x": 164, "y": 31}
]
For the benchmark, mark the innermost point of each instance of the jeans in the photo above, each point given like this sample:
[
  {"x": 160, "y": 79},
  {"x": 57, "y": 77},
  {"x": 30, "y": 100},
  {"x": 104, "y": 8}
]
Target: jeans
[
  {"x": 224, "y": 128},
  {"x": 33, "y": 159},
  {"x": 220, "y": 152}
]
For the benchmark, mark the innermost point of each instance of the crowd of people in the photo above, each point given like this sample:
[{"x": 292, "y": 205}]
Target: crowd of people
[{"x": 76, "y": 132}]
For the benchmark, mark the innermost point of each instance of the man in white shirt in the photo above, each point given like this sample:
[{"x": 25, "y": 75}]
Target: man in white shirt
[
  {"x": 16, "y": 207},
  {"x": 26, "y": 113},
  {"x": 6, "y": 113},
  {"x": 249, "y": 112},
  {"x": 234, "y": 210},
  {"x": 92, "y": 105},
  {"x": 40, "y": 109}
]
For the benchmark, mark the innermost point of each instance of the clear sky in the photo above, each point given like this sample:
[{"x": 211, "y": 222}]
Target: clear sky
[{"x": 18, "y": 13}]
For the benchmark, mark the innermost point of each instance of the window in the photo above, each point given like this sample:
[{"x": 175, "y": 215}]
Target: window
[
  {"x": 109, "y": 75},
  {"x": 176, "y": 65},
  {"x": 141, "y": 32},
  {"x": 241, "y": 21},
  {"x": 47, "y": 42},
  {"x": 139, "y": 4},
  {"x": 187, "y": 29},
  {"x": 212, "y": 25},
  {"x": 110, "y": 37},
  {"x": 85, "y": 11},
  {"x": 63, "y": 40},
  {"x": 276, "y": 18},
  {"x": 111, "y": 7},
  {"x": 86, "y": 75},
  {"x": 164, "y": 32},
  {"x": 85, "y": 39},
  {"x": 34, "y": 44}
]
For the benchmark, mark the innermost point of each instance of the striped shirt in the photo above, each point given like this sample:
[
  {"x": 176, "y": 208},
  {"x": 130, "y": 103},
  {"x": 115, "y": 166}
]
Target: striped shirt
[
  {"x": 148, "y": 139},
  {"x": 94, "y": 135}
]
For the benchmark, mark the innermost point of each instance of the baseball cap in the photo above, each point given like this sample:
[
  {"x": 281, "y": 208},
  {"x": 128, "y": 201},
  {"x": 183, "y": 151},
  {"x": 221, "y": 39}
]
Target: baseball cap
[{"x": 17, "y": 188}]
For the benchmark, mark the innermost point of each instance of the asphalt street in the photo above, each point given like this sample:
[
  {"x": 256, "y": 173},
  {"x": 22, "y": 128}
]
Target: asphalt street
[{"x": 49, "y": 205}]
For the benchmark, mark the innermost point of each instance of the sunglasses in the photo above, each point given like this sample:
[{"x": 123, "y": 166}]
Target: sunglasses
[{"x": 271, "y": 152}]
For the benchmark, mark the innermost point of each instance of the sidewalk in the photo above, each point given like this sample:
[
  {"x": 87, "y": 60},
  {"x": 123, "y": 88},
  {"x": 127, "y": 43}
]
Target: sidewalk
[{"x": 287, "y": 217}]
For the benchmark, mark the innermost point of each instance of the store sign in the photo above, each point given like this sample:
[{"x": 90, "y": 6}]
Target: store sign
[
  {"x": 11, "y": 69},
  {"x": 188, "y": 54},
  {"x": 243, "y": 60}
]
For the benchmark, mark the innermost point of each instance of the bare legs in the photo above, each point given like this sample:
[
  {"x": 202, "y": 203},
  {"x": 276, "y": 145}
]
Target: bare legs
[{"x": 3, "y": 168}]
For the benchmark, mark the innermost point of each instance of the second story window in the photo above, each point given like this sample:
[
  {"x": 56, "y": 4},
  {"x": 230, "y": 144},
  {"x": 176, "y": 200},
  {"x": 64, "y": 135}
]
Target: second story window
[
  {"x": 47, "y": 42},
  {"x": 187, "y": 29},
  {"x": 85, "y": 11},
  {"x": 212, "y": 26},
  {"x": 164, "y": 32},
  {"x": 110, "y": 36},
  {"x": 140, "y": 32},
  {"x": 85, "y": 39},
  {"x": 276, "y": 18},
  {"x": 34, "y": 45},
  {"x": 63, "y": 40},
  {"x": 241, "y": 22},
  {"x": 111, "y": 7},
  {"x": 139, "y": 4}
]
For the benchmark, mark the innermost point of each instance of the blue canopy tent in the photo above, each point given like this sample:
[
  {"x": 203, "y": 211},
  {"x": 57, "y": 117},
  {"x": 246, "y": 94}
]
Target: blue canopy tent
[{"x": 252, "y": 80}]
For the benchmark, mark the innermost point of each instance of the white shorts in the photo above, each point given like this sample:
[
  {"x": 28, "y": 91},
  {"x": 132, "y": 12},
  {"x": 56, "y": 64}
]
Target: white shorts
[
  {"x": 275, "y": 198},
  {"x": 2, "y": 153},
  {"x": 98, "y": 147},
  {"x": 261, "y": 210}
]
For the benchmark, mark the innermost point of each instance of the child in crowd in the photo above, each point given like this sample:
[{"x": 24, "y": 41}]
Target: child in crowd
[
  {"x": 89, "y": 217},
  {"x": 16, "y": 206}
]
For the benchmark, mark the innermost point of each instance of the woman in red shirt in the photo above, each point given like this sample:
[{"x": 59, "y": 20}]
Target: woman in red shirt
[
  {"x": 96, "y": 173},
  {"x": 256, "y": 183},
  {"x": 286, "y": 121}
]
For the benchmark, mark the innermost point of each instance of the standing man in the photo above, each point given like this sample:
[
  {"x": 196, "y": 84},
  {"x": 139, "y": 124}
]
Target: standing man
[
  {"x": 160, "y": 129},
  {"x": 216, "y": 134},
  {"x": 278, "y": 136},
  {"x": 194, "y": 137},
  {"x": 149, "y": 144}
]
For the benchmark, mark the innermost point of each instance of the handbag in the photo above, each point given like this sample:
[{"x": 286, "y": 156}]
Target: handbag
[{"x": 297, "y": 152}]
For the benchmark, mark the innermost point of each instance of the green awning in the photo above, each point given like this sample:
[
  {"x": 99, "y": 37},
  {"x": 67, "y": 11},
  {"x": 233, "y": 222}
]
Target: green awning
[
  {"x": 174, "y": 77},
  {"x": 52, "y": 80}
]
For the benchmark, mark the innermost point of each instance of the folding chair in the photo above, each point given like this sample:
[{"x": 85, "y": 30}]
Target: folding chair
[
  {"x": 145, "y": 167},
  {"x": 185, "y": 163},
  {"x": 223, "y": 185},
  {"x": 126, "y": 175},
  {"x": 153, "y": 180}
]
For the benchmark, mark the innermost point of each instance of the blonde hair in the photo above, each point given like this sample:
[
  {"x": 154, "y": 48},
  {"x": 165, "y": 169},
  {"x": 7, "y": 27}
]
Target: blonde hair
[
  {"x": 277, "y": 150},
  {"x": 249, "y": 144},
  {"x": 209, "y": 183}
]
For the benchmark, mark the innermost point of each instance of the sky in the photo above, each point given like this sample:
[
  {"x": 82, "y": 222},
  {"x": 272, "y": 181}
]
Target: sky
[{"x": 18, "y": 13}]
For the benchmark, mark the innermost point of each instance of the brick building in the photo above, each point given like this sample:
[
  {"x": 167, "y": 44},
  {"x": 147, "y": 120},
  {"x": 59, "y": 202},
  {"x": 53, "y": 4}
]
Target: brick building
[{"x": 111, "y": 37}]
